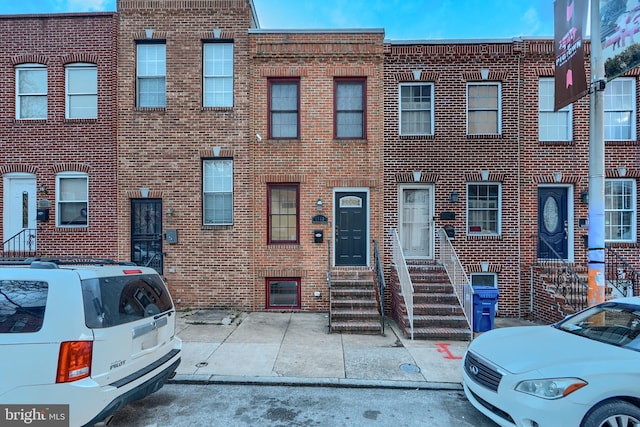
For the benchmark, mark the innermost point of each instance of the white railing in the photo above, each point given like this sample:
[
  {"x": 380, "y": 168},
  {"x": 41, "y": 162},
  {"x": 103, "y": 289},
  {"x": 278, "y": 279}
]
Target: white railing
[
  {"x": 403, "y": 276},
  {"x": 457, "y": 276}
]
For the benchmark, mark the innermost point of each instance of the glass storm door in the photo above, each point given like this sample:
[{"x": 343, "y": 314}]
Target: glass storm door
[{"x": 416, "y": 221}]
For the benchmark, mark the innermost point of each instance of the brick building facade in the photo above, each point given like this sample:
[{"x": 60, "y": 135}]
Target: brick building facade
[
  {"x": 244, "y": 163},
  {"x": 58, "y": 134}
]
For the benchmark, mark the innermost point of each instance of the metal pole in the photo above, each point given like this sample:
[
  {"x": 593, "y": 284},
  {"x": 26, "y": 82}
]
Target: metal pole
[{"x": 596, "y": 280}]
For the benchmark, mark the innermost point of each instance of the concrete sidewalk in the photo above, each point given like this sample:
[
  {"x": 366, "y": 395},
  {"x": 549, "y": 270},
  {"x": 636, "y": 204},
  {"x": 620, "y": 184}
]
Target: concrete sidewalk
[{"x": 296, "y": 348}]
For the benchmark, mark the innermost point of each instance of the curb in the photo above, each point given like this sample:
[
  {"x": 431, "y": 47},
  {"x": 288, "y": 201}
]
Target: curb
[{"x": 312, "y": 382}]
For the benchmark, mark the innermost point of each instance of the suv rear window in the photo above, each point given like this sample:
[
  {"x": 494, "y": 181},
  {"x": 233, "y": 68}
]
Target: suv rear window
[
  {"x": 22, "y": 305},
  {"x": 112, "y": 301}
]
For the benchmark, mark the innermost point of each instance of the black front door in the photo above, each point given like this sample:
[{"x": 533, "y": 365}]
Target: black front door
[
  {"x": 351, "y": 228},
  {"x": 553, "y": 223},
  {"x": 146, "y": 233}
]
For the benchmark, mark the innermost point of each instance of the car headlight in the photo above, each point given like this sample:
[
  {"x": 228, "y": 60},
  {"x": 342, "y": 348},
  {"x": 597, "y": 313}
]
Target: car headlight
[{"x": 552, "y": 388}]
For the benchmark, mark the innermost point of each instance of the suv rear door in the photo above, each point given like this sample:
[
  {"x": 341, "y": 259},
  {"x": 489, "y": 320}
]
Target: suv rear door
[{"x": 133, "y": 322}]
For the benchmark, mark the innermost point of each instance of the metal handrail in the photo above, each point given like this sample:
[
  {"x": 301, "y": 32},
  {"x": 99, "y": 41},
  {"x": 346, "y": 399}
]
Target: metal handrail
[
  {"x": 457, "y": 275},
  {"x": 565, "y": 280},
  {"x": 22, "y": 244},
  {"x": 379, "y": 271},
  {"x": 621, "y": 274},
  {"x": 403, "y": 276}
]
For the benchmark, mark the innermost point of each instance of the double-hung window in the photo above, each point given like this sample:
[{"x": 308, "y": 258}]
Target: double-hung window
[
  {"x": 552, "y": 125},
  {"x": 416, "y": 109},
  {"x": 483, "y": 209},
  {"x": 283, "y": 109},
  {"x": 620, "y": 210},
  {"x": 484, "y": 111},
  {"x": 217, "y": 188},
  {"x": 218, "y": 74},
  {"x": 620, "y": 110},
  {"x": 31, "y": 91},
  {"x": 72, "y": 199},
  {"x": 82, "y": 91},
  {"x": 349, "y": 108},
  {"x": 151, "y": 69},
  {"x": 283, "y": 213}
]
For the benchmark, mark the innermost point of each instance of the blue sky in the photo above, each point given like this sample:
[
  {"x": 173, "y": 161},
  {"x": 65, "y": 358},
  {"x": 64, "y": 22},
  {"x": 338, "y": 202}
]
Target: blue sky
[{"x": 401, "y": 19}]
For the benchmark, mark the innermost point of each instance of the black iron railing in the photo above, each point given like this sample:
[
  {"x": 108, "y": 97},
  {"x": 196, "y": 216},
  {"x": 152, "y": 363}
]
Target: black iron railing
[
  {"x": 329, "y": 278},
  {"x": 563, "y": 279},
  {"x": 21, "y": 245},
  {"x": 379, "y": 271},
  {"x": 620, "y": 275}
]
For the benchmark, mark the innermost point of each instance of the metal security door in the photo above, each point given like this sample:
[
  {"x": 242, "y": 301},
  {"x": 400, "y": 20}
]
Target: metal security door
[
  {"x": 351, "y": 228},
  {"x": 146, "y": 233},
  {"x": 553, "y": 223}
]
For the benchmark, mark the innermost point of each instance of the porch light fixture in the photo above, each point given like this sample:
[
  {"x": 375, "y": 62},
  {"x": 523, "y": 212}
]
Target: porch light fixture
[
  {"x": 416, "y": 176},
  {"x": 42, "y": 189},
  {"x": 453, "y": 197},
  {"x": 319, "y": 204},
  {"x": 584, "y": 197}
]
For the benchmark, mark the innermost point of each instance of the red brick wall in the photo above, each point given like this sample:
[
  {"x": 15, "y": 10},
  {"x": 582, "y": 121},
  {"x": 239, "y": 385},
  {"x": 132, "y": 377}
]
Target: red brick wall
[
  {"x": 45, "y": 147},
  {"x": 449, "y": 159},
  {"x": 315, "y": 160},
  {"x": 162, "y": 149}
]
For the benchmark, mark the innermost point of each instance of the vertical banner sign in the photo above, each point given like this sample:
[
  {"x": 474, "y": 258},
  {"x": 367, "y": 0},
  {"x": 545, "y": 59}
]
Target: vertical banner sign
[
  {"x": 570, "y": 20},
  {"x": 620, "y": 22}
]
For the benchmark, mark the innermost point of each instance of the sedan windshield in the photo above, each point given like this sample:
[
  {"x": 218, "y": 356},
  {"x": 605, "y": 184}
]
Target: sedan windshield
[{"x": 613, "y": 323}]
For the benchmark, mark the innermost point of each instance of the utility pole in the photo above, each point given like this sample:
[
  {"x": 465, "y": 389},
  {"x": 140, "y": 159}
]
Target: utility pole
[{"x": 596, "y": 239}]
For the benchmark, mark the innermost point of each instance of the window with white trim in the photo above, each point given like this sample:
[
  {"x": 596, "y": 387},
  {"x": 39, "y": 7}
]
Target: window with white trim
[
  {"x": 484, "y": 110},
  {"x": 484, "y": 208},
  {"x": 620, "y": 210},
  {"x": 72, "y": 199},
  {"x": 218, "y": 75},
  {"x": 620, "y": 110},
  {"x": 81, "y": 91},
  {"x": 416, "y": 109},
  {"x": 151, "y": 75},
  {"x": 217, "y": 189},
  {"x": 552, "y": 125},
  {"x": 31, "y": 91}
]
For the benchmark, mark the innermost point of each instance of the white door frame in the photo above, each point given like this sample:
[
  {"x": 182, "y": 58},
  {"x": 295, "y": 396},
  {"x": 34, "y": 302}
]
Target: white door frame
[
  {"x": 12, "y": 215},
  {"x": 431, "y": 214}
]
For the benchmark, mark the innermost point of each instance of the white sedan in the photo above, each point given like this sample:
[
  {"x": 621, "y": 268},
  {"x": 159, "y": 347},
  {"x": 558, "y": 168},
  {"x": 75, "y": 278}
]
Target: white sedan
[{"x": 583, "y": 371}]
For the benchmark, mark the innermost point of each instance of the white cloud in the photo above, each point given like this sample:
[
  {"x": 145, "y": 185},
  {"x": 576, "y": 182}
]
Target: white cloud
[
  {"x": 90, "y": 5},
  {"x": 531, "y": 20}
]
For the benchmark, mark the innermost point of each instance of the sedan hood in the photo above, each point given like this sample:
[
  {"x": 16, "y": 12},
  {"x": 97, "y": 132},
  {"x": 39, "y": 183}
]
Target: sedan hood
[{"x": 527, "y": 348}]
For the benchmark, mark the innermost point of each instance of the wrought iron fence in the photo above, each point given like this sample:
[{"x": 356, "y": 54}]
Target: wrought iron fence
[
  {"x": 620, "y": 275},
  {"x": 21, "y": 245},
  {"x": 563, "y": 279}
]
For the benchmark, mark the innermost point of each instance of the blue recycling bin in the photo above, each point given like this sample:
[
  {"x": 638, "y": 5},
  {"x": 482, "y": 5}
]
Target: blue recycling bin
[{"x": 484, "y": 307}]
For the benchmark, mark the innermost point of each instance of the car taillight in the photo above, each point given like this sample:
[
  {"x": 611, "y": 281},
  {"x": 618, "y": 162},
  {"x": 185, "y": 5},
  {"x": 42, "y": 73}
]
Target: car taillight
[{"x": 74, "y": 361}]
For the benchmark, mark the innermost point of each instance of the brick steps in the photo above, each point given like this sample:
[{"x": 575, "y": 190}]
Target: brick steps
[{"x": 354, "y": 308}]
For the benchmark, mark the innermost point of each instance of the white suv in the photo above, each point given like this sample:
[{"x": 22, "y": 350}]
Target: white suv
[{"x": 94, "y": 335}]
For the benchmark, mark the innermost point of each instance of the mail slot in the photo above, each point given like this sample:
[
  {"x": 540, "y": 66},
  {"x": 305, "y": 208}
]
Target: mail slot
[{"x": 318, "y": 236}]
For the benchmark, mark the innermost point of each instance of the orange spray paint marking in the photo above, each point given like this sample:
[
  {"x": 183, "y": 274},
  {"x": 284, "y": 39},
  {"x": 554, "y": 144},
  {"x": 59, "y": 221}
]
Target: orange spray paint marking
[{"x": 444, "y": 348}]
